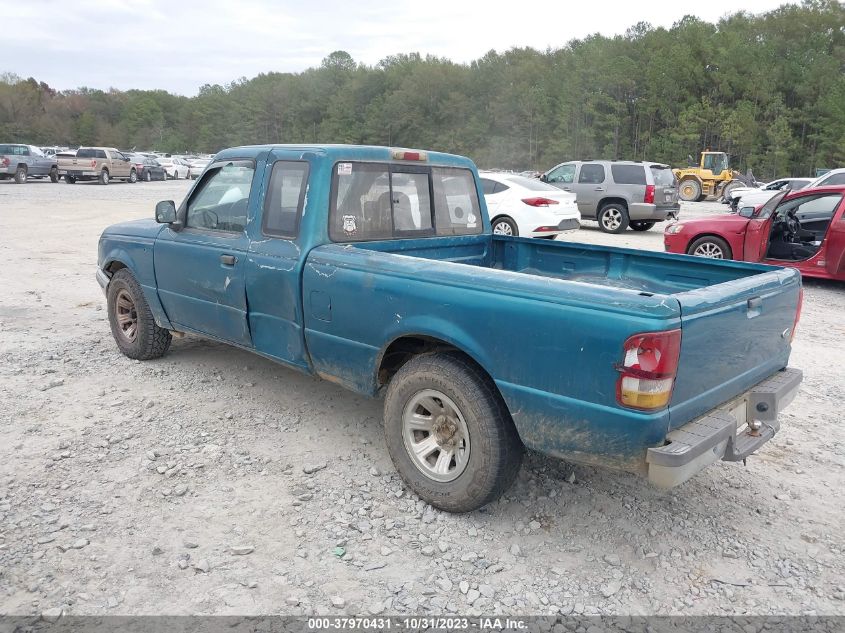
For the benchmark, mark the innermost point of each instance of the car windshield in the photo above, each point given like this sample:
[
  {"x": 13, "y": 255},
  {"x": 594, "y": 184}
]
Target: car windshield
[{"x": 531, "y": 183}]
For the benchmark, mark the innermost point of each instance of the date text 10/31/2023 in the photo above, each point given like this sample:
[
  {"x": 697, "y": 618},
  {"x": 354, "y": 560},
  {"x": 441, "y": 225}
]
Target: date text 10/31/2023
[{"x": 415, "y": 623}]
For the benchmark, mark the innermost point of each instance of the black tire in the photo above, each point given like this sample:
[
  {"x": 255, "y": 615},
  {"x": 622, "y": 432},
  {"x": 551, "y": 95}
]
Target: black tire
[
  {"x": 20, "y": 175},
  {"x": 641, "y": 225},
  {"x": 689, "y": 190},
  {"x": 495, "y": 450},
  {"x": 70, "y": 179},
  {"x": 148, "y": 176},
  {"x": 715, "y": 246},
  {"x": 506, "y": 226},
  {"x": 54, "y": 175},
  {"x": 133, "y": 176},
  {"x": 104, "y": 177},
  {"x": 613, "y": 218},
  {"x": 149, "y": 341}
]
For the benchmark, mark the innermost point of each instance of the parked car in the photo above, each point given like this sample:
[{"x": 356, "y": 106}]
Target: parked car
[
  {"x": 526, "y": 207},
  {"x": 481, "y": 344},
  {"x": 20, "y": 162},
  {"x": 619, "y": 193},
  {"x": 175, "y": 167},
  {"x": 765, "y": 191},
  {"x": 801, "y": 229},
  {"x": 148, "y": 168},
  {"x": 102, "y": 164},
  {"x": 197, "y": 166}
]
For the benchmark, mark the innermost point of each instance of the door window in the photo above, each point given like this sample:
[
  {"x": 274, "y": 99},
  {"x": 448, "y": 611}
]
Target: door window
[
  {"x": 834, "y": 179},
  {"x": 220, "y": 203},
  {"x": 564, "y": 173},
  {"x": 487, "y": 186},
  {"x": 628, "y": 174},
  {"x": 591, "y": 174},
  {"x": 285, "y": 198},
  {"x": 456, "y": 207}
]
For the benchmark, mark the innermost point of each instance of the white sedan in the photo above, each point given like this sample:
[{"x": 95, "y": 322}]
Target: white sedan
[
  {"x": 531, "y": 208},
  {"x": 176, "y": 168}
]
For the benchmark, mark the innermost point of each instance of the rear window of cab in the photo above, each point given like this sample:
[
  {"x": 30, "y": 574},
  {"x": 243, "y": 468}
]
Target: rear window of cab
[{"x": 378, "y": 201}]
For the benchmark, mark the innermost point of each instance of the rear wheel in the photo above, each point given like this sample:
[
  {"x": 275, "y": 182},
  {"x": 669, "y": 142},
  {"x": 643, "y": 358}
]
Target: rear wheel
[
  {"x": 54, "y": 174},
  {"x": 132, "y": 324},
  {"x": 505, "y": 226},
  {"x": 641, "y": 225},
  {"x": 449, "y": 433},
  {"x": 104, "y": 177},
  {"x": 69, "y": 179},
  {"x": 133, "y": 176},
  {"x": 689, "y": 190},
  {"x": 613, "y": 218},
  {"x": 20, "y": 175},
  {"x": 710, "y": 246},
  {"x": 148, "y": 176}
]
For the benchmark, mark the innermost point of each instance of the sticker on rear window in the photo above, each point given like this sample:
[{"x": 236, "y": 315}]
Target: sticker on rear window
[
  {"x": 350, "y": 224},
  {"x": 344, "y": 169},
  {"x": 471, "y": 220}
]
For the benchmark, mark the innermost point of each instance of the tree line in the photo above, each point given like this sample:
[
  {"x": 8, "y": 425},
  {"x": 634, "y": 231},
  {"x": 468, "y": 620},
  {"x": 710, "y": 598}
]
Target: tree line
[{"x": 769, "y": 89}]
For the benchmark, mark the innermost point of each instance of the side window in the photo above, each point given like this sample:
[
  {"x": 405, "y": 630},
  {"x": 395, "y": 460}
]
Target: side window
[
  {"x": 23, "y": 150},
  {"x": 591, "y": 174},
  {"x": 220, "y": 204},
  {"x": 456, "y": 207},
  {"x": 628, "y": 174},
  {"x": 500, "y": 187},
  {"x": 285, "y": 198},
  {"x": 487, "y": 186},
  {"x": 564, "y": 173},
  {"x": 835, "y": 179},
  {"x": 99, "y": 153}
]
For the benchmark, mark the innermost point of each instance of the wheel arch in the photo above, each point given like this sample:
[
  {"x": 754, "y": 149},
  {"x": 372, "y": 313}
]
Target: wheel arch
[
  {"x": 724, "y": 238},
  {"x": 610, "y": 200}
]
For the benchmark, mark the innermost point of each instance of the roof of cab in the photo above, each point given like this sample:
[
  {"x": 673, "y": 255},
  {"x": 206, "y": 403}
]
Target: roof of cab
[{"x": 345, "y": 152}]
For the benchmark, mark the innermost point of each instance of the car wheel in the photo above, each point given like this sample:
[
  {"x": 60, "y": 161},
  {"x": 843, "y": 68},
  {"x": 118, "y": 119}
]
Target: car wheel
[
  {"x": 70, "y": 179},
  {"x": 20, "y": 175},
  {"x": 449, "y": 433},
  {"x": 641, "y": 225},
  {"x": 710, "y": 246},
  {"x": 505, "y": 226},
  {"x": 54, "y": 174},
  {"x": 689, "y": 190},
  {"x": 133, "y": 176},
  {"x": 613, "y": 218},
  {"x": 148, "y": 176},
  {"x": 132, "y": 324},
  {"x": 104, "y": 177}
]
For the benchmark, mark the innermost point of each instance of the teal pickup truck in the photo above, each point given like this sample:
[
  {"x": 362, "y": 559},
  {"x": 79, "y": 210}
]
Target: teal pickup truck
[{"x": 375, "y": 268}]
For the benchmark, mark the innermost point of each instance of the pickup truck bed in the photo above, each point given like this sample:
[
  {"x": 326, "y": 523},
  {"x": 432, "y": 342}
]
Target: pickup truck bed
[{"x": 481, "y": 345}]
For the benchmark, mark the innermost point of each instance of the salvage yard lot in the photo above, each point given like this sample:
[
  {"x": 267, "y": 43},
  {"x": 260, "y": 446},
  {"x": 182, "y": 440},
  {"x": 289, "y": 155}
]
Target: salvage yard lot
[{"x": 214, "y": 481}]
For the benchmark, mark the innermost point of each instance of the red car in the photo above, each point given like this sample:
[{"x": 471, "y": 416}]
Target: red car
[{"x": 803, "y": 229}]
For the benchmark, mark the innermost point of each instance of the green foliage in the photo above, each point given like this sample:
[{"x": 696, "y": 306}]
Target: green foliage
[{"x": 768, "y": 89}]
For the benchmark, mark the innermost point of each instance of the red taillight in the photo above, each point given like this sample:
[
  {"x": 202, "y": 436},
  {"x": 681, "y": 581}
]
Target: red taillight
[
  {"x": 93, "y": 163},
  {"x": 545, "y": 229},
  {"x": 648, "y": 369},
  {"x": 649, "y": 194},
  {"x": 797, "y": 314},
  {"x": 539, "y": 202}
]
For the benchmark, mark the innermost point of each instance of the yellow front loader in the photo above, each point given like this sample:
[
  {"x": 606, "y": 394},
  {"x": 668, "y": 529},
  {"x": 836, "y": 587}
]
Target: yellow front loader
[{"x": 711, "y": 177}]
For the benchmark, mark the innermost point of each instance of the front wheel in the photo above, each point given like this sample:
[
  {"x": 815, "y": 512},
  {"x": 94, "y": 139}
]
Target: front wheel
[
  {"x": 132, "y": 324},
  {"x": 20, "y": 175},
  {"x": 690, "y": 190},
  {"x": 710, "y": 246},
  {"x": 104, "y": 178},
  {"x": 133, "y": 176},
  {"x": 148, "y": 176},
  {"x": 505, "y": 226},
  {"x": 54, "y": 175},
  {"x": 641, "y": 225},
  {"x": 70, "y": 179},
  {"x": 449, "y": 432},
  {"x": 613, "y": 218}
]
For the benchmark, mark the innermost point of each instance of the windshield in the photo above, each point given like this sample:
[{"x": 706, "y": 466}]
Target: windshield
[{"x": 532, "y": 184}]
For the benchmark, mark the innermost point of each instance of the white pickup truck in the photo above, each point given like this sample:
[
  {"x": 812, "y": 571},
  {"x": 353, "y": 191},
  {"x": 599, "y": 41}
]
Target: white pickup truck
[{"x": 102, "y": 164}]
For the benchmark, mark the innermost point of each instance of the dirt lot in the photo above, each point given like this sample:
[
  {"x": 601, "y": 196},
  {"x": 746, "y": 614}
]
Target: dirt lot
[{"x": 178, "y": 486}]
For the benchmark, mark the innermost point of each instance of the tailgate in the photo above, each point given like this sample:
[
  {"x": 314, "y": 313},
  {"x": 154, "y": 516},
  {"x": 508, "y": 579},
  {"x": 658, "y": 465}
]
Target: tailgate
[{"x": 734, "y": 335}]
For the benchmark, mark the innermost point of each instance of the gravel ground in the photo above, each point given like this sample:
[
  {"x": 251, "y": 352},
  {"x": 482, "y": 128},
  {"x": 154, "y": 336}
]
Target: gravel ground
[{"x": 213, "y": 481}]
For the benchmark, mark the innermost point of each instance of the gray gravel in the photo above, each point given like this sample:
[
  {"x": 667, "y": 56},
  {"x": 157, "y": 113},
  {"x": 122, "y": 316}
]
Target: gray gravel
[{"x": 265, "y": 491}]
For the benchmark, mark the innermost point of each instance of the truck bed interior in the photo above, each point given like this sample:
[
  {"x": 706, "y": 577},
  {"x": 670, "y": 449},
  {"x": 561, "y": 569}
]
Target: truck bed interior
[{"x": 642, "y": 271}]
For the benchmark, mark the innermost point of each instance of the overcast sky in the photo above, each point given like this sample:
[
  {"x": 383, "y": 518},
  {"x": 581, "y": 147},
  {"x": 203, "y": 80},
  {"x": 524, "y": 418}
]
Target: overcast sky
[{"x": 178, "y": 45}]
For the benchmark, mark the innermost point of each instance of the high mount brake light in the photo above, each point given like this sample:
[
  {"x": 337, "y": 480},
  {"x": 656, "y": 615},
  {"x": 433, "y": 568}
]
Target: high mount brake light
[
  {"x": 405, "y": 154},
  {"x": 539, "y": 202},
  {"x": 648, "y": 370}
]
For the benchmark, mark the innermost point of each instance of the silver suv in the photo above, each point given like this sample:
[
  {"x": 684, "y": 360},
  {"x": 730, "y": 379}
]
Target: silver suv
[{"x": 619, "y": 193}]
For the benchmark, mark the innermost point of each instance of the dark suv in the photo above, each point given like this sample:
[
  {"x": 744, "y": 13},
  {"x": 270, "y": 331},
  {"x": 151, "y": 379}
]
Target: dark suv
[{"x": 619, "y": 193}]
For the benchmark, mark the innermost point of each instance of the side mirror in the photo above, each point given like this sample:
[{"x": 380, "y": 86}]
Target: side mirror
[
  {"x": 544, "y": 178},
  {"x": 166, "y": 212}
]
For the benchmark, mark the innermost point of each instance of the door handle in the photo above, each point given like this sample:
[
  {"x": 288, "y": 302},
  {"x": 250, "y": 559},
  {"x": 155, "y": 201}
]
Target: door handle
[
  {"x": 599, "y": 188},
  {"x": 567, "y": 188},
  {"x": 228, "y": 260}
]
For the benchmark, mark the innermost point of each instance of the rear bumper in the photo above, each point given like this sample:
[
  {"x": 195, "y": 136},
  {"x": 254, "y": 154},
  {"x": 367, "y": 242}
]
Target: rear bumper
[
  {"x": 564, "y": 226},
  {"x": 725, "y": 433}
]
